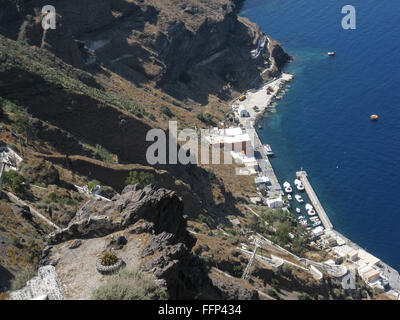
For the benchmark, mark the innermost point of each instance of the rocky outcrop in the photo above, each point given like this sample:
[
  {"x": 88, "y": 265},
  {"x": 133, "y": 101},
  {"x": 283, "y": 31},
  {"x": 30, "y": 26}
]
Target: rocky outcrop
[
  {"x": 162, "y": 210},
  {"x": 45, "y": 286},
  {"x": 152, "y": 211}
]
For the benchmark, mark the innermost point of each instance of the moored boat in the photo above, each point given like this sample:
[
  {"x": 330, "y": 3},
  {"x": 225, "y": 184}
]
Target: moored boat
[
  {"x": 288, "y": 188},
  {"x": 268, "y": 150},
  {"x": 298, "y": 210},
  {"x": 299, "y": 185},
  {"x": 289, "y": 197},
  {"x": 310, "y": 209},
  {"x": 299, "y": 198}
]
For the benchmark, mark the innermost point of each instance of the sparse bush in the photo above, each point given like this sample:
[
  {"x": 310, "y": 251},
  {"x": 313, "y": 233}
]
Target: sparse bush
[
  {"x": 304, "y": 296},
  {"x": 109, "y": 259},
  {"x": 206, "y": 118},
  {"x": 211, "y": 175},
  {"x": 139, "y": 177},
  {"x": 21, "y": 279},
  {"x": 167, "y": 111},
  {"x": 92, "y": 184},
  {"x": 238, "y": 270},
  {"x": 52, "y": 196},
  {"x": 272, "y": 293},
  {"x": 16, "y": 182},
  {"x": 130, "y": 285},
  {"x": 104, "y": 154}
]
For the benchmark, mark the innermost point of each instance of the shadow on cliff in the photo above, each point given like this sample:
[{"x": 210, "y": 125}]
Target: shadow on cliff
[
  {"x": 5, "y": 278},
  {"x": 95, "y": 122}
]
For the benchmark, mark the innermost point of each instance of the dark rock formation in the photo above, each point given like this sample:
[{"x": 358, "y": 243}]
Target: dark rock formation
[{"x": 188, "y": 48}]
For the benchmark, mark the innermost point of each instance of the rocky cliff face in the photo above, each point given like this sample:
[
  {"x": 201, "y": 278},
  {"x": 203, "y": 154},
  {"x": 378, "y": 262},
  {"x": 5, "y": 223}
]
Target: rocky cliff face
[{"x": 189, "y": 48}]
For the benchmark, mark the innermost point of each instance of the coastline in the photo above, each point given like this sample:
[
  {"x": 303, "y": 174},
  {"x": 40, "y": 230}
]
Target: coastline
[{"x": 265, "y": 102}]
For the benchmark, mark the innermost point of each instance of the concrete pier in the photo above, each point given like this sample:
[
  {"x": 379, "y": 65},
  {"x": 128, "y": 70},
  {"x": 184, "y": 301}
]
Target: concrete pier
[{"x": 302, "y": 175}]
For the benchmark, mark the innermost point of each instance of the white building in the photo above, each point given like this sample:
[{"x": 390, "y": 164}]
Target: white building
[
  {"x": 275, "y": 203},
  {"x": 230, "y": 138}
]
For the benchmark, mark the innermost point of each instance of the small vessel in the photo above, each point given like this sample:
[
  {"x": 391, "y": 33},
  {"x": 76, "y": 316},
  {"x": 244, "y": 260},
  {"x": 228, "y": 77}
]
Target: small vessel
[
  {"x": 310, "y": 209},
  {"x": 299, "y": 185},
  {"x": 289, "y": 197},
  {"x": 316, "y": 224},
  {"x": 299, "y": 198},
  {"x": 374, "y": 117},
  {"x": 331, "y": 53},
  {"x": 268, "y": 150},
  {"x": 298, "y": 210},
  {"x": 242, "y": 97},
  {"x": 300, "y": 218},
  {"x": 259, "y": 126},
  {"x": 314, "y": 219},
  {"x": 288, "y": 188}
]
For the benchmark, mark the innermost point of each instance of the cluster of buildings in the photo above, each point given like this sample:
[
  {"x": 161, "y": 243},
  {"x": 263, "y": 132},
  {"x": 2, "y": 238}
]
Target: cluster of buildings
[{"x": 371, "y": 269}]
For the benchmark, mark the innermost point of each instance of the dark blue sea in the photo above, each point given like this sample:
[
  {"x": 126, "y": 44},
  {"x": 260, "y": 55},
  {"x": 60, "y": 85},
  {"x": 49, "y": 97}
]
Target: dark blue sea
[{"x": 322, "y": 124}]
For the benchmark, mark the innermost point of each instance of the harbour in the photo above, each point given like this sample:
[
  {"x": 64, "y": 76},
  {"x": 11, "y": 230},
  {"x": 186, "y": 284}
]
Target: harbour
[{"x": 348, "y": 255}]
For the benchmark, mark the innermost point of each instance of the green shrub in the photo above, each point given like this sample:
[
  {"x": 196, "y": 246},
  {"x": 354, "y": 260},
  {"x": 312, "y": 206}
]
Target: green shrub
[
  {"x": 92, "y": 184},
  {"x": 211, "y": 175},
  {"x": 238, "y": 270},
  {"x": 104, "y": 154},
  {"x": 272, "y": 293},
  {"x": 130, "y": 285},
  {"x": 68, "y": 202},
  {"x": 206, "y": 118},
  {"x": 139, "y": 177},
  {"x": 52, "y": 196},
  {"x": 304, "y": 296},
  {"x": 21, "y": 279},
  {"x": 167, "y": 111},
  {"x": 16, "y": 182},
  {"x": 109, "y": 259}
]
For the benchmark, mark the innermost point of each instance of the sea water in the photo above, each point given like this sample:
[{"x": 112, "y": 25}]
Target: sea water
[{"x": 323, "y": 124}]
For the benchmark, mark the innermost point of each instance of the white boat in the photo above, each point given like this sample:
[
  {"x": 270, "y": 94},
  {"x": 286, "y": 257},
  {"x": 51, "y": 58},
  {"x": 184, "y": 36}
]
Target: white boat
[
  {"x": 310, "y": 209},
  {"x": 299, "y": 198},
  {"x": 289, "y": 197},
  {"x": 299, "y": 185},
  {"x": 316, "y": 224},
  {"x": 331, "y": 53},
  {"x": 288, "y": 188},
  {"x": 268, "y": 150},
  {"x": 298, "y": 210},
  {"x": 314, "y": 219}
]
